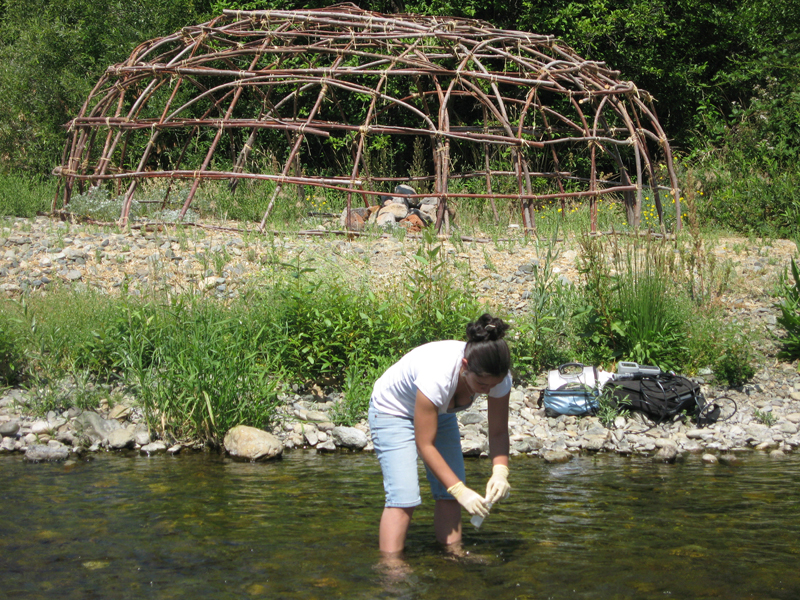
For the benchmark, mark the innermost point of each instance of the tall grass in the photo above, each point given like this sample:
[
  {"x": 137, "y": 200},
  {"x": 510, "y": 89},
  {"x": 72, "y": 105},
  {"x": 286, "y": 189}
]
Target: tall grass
[
  {"x": 638, "y": 304},
  {"x": 25, "y": 196}
]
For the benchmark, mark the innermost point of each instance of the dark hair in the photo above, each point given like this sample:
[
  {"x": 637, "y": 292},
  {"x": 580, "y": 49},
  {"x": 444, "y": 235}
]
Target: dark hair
[{"x": 487, "y": 352}]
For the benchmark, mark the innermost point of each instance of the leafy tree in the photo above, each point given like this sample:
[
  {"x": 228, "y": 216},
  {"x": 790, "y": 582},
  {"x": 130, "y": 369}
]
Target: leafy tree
[{"x": 53, "y": 52}]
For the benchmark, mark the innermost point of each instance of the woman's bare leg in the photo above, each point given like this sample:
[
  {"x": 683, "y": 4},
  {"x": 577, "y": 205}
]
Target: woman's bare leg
[
  {"x": 394, "y": 527},
  {"x": 447, "y": 522}
]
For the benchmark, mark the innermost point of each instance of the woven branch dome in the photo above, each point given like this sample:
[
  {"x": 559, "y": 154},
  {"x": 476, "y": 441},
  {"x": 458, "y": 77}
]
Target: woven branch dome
[{"x": 316, "y": 97}]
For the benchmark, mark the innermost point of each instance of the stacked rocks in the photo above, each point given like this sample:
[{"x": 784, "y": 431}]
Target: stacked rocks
[{"x": 399, "y": 210}]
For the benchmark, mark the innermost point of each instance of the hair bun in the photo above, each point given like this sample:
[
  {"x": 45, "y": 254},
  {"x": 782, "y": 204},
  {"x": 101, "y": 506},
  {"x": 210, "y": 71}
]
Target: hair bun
[{"x": 486, "y": 329}]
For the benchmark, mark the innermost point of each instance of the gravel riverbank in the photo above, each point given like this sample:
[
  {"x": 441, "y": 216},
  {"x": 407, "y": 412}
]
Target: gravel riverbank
[{"x": 39, "y": 253}]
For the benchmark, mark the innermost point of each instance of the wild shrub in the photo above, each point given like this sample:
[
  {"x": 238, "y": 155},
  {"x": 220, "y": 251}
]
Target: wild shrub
[
  {"x": 630, "y": 312},
  {"x": 203, "y": 376},
  {"x": 542, "y": 337}
]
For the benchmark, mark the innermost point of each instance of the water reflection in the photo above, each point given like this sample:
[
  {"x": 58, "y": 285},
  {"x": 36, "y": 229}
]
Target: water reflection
[{"x": 306, "y": 527}]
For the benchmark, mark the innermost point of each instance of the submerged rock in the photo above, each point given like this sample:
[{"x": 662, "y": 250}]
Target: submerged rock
[
  {"x": 153, "y": 448},
  {"x": 252, "y": 444},
  {"x": 40, "y": 453},
  {"x": 557, "y": 456}
]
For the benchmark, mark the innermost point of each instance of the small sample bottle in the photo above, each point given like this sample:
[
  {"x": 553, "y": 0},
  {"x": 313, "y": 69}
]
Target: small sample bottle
[{"x": 477, "y": 520}]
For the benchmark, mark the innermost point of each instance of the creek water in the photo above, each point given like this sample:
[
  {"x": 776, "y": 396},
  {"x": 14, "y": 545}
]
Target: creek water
[{"x": 305, "y": 527}]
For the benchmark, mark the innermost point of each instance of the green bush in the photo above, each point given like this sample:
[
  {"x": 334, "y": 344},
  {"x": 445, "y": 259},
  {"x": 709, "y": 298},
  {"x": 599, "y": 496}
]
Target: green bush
[
  {"x": 631, "y": 312},
  {"x": 205, "y": 375},
  {"x": 734, "y": 367}
]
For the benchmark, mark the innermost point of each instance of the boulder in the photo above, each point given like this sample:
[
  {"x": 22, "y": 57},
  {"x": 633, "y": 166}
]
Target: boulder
[
  {"x": 412, "y": 223},
  {"x": 429, "y": 210},
  {"x": 358, "y": 216},
  {"x": 252, "y": 444},
  {"x": 349, "y": 437},
  {"x": 386, "y": 220}
]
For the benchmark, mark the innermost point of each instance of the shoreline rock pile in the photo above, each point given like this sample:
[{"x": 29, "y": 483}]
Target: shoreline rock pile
[
  {"x": 36, "y": 252},
  {"x": 304, "y": 422}
]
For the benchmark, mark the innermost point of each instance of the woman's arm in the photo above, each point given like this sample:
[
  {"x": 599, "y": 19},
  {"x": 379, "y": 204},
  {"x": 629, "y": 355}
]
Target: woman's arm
[
  {"x": 426, "y": 424},
  {"x": 498, "y": 430}
]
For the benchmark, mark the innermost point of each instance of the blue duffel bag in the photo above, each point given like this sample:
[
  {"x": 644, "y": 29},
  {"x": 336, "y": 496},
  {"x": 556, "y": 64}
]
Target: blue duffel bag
[{"x": 570, "y": 399}]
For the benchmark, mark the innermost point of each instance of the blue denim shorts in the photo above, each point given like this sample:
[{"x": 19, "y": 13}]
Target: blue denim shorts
[{"x": 396, "y": 449}]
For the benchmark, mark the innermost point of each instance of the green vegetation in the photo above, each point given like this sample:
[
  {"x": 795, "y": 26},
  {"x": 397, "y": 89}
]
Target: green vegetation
[
  {"x": 25, "y": 196},
  {"x": 199, "y": 364},
  {"x": 765, "y": 417},
  {"x": 726, "y": 82}
]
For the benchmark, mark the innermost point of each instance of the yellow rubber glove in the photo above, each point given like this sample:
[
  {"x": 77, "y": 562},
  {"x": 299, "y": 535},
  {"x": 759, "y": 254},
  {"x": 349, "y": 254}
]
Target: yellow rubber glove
[
  {"x": 498, "y": 488},
  {"x": 469, "y": 499}
]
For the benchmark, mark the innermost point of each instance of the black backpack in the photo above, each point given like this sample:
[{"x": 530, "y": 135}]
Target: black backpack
[{"x": 661, "y": 396}]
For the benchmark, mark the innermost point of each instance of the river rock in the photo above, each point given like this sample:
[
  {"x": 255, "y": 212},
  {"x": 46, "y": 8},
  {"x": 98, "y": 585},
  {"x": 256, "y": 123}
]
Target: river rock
[
  {"x": 557, "y": 456},
  {"x": 9, "y": 428},
  {"x": 527, "y": 445},
  {"x": 471, "y": 418},
  {"x": 40, "y": 427},
  {"x": 119, "y": 439},
  {"x": 475, "y": 446},
  {"x": 141, "y": 436},
  {"x": 120, "y": 411},
  {"x": 594, "y": 443},
  {"x": 41, "y": 453},
  {"x": 252, "y": 444},
  {"x": 94, "y": 428},
  {"x": 709, "y": 459},
  {"x": 317, "y": 416},
  {"x": 153, "y": 448},
  {"x": 667, "y": 453},
  {"x": 326, "y": 446},
  {"x": 349, "y": 437}
]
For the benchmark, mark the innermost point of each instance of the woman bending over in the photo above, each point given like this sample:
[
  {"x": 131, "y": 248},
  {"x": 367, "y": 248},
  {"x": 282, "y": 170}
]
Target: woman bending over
[{"x": 412, "y": 410}]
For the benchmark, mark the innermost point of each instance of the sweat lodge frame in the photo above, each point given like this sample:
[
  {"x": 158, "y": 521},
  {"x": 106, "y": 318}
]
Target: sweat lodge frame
[{"x": 328, "y": 80}]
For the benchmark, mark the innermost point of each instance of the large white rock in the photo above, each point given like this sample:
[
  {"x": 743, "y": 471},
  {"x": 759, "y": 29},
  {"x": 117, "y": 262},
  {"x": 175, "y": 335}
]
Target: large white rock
[
  {"x": 349, "y": 437},
  {"x": 119, "y": 439},
  {"x": 251, "y": 443}
]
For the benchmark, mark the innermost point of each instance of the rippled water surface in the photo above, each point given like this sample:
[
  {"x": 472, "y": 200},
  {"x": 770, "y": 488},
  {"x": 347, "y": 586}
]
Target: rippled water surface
[{"x": 200, "y": 526}]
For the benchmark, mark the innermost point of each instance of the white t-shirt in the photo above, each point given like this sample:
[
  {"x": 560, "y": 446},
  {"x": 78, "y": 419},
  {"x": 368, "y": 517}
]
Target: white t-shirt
[{"x": 433, "y": 370}]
